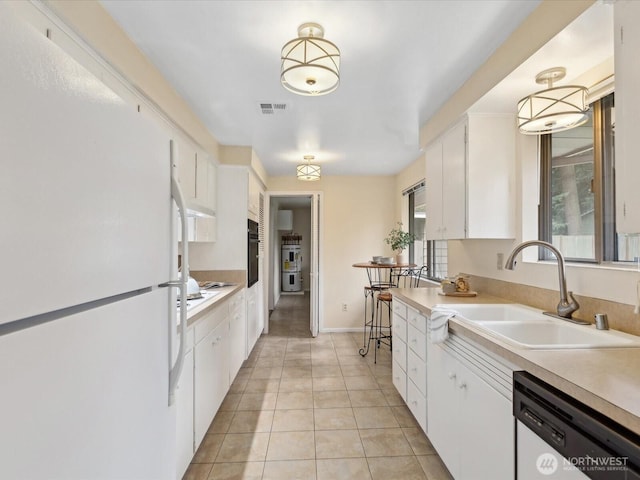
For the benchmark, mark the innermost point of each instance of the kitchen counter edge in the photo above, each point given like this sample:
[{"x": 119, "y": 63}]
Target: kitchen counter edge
[{"x": 225, "y": 293}]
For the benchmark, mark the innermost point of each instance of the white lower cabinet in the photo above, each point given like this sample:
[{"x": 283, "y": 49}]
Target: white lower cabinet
[
  {"x": 215, "y": 350},
  {"x": 184, "y": 416},
  {"x": 211, "y": 377},
  {"x": 417, "y": 403},
  {"x": 470, "y": 423},
  {"x": 409, "y": 367},
  {"x": 399, "y": 378},
  {"x": 399, "y": 367},
  {"x": 254, "y": 328},
  {"x": 237, "y": 334},
  {"x": 399, "y": 350}
]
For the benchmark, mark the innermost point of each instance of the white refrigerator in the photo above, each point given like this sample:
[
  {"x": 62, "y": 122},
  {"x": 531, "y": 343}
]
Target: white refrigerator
[{"x": 87, "y": 320}]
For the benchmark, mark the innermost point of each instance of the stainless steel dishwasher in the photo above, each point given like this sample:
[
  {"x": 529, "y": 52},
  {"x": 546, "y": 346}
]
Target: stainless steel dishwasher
[{"x": 558, "y": 437}]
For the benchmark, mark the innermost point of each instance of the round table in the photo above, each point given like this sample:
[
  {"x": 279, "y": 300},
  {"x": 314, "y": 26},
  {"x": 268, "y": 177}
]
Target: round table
[{"x": 380, "y": 275}]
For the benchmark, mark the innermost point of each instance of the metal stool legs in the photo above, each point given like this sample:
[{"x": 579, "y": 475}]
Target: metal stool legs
[
  {"x": 369, "y": 323},
  {"x": 384, "y": 298},
  {"x": 374, "y": 330}
]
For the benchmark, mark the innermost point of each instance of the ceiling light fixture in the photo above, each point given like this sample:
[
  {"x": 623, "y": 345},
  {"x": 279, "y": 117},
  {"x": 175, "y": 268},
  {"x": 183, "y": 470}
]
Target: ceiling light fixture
[
  {"x": 310, "y": 64},
  {"x": 554, "y": 109},
  {"x": 308, "y": 171}
]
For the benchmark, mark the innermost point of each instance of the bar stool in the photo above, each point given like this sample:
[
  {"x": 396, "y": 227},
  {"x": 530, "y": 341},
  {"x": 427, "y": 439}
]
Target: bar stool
[{"x": 380, "y": 280}]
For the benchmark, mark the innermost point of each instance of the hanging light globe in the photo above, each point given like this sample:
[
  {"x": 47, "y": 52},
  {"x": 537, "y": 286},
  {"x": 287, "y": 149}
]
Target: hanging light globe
[
  {"x": 310, "y": 64},
  {"x": 554, "y": 109},
  {"x": 308, "y": 171}
]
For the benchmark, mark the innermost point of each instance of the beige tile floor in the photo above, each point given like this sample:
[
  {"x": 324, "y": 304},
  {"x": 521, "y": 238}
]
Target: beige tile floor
[{"x": 313, "y": 409}]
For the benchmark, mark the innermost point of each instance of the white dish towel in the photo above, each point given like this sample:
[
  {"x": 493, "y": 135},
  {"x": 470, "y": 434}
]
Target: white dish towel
[{"x": 439, "y": 323}]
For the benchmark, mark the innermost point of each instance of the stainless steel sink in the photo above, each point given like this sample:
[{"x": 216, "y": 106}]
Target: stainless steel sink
[{"x": 527, "y": 327}]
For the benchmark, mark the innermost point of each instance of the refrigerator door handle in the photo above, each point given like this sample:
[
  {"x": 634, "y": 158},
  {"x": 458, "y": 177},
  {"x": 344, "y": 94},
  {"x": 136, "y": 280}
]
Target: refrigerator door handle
[{"x": 176, "y": 369}]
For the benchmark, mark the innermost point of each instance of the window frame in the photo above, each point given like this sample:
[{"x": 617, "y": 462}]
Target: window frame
[
  {"x": 603, "y": 185},
  {"x": 430, "y": 245}
]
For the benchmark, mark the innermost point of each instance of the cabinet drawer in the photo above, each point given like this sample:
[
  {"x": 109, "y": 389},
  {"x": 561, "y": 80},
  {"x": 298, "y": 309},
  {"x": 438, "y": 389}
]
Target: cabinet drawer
[
  {"x": 416, "y": 319},
  {"x": 399, "y": 328},
  {"x": 236, "y": 302},
  {"x": 210, "y": 321},
  {"x": 417, "y": 341},
  {"x": 399, "y": 309},
  {"x": 399, "y": 380},
  {"x": 417, "y": 371},
  {"x": 400, "y": 353},
  {"x": 417, "y": 403}
]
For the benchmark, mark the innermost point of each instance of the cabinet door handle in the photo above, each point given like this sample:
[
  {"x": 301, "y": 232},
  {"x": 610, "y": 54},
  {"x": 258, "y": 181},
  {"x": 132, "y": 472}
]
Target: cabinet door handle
[
  {"x": 452, "y": 376},
  {"x": 463, "y": 385}
]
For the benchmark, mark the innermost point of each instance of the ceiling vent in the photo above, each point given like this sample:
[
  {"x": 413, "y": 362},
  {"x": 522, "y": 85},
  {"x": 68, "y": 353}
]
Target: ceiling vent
[{"x": 272, "y": 108}]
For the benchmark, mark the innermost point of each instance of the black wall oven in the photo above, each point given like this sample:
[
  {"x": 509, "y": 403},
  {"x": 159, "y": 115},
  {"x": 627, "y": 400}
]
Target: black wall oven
[{"x": 252, "y": 252}]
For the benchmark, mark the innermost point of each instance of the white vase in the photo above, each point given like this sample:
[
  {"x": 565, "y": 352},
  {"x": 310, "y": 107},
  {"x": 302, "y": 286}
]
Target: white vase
[{"x": 402, "y": 258}]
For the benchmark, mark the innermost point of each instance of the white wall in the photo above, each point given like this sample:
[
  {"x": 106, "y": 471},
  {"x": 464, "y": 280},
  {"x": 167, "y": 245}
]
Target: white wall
[{"x": 357, "y": 214}]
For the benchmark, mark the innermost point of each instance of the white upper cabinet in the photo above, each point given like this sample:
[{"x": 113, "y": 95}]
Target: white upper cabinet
[
  {"x": 197, "y": 177},
  {"x": 212, "y": 186},
  {"x": 627, "y": 71},
  {"x": 491, "y": 153},
  {"x": 186, "y": 164},
  {"x": 470, "y": 179},
  {"x": 454, "y": 182}
]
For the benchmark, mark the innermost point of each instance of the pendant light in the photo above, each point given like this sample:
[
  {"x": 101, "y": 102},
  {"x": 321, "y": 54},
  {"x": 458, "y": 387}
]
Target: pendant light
[
  {"x": 308, "y": 171},
  {"x": 554, "y": 109},
  {"x": 310, "y": 64}
]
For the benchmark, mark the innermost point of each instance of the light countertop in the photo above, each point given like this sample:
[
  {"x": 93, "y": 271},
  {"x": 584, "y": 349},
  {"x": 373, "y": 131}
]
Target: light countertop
[
  {"x": 605, "y": 379},
  {"x": 194, "y": 314}
]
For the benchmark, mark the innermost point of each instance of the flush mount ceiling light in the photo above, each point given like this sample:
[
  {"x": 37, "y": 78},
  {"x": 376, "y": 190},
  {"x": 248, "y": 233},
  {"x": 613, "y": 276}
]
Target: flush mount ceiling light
[
  {"x": 308, "y": 171},
  {"x": 310, "y": 64},
  {"x": 554, "y": 109}
]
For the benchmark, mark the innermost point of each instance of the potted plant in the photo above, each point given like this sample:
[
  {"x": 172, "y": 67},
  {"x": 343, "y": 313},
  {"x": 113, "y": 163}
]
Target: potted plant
[{"x": 399, "y": 240}]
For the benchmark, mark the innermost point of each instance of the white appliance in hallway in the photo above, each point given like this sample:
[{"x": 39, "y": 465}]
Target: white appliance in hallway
[
  {"x": 291, "y": 263},
  {"x": 87, "y": 318}
]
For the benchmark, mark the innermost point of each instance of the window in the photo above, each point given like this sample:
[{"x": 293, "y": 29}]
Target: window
[
  {"x": 577, "y": 213},
  {"x": 432, "y": 253}
]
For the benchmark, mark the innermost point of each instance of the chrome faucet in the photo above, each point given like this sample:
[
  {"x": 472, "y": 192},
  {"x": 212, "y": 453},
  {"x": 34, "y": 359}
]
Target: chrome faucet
[{"x": 567, "y": 304}]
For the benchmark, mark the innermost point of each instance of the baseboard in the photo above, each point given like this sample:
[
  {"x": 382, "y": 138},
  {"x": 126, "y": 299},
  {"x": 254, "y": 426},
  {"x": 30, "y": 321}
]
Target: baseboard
[{"x": 341, "y": 330}]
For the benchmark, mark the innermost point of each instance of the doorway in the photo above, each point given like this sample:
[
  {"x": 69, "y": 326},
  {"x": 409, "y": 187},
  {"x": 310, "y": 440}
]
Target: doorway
[{"x": 303, "y": 230}]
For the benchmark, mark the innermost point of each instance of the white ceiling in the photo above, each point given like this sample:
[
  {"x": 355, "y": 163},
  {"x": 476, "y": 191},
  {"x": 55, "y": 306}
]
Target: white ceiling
[{"x": 400, "y": 61}]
